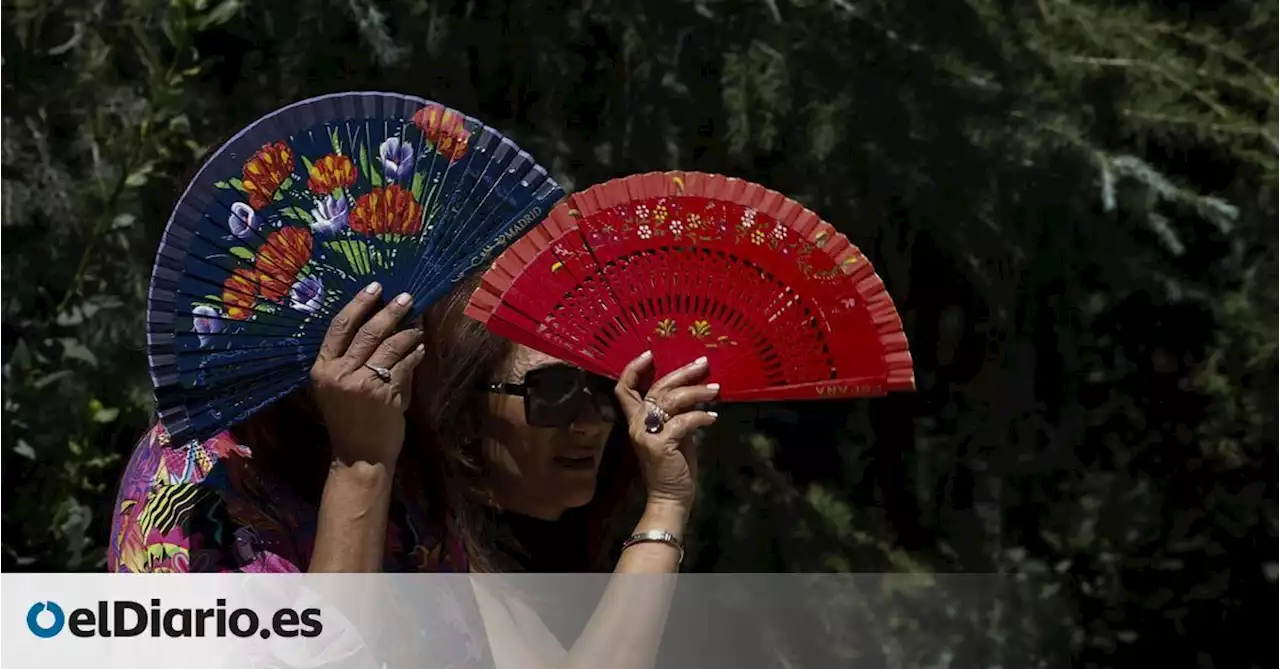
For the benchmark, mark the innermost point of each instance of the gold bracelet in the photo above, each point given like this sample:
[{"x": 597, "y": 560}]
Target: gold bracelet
[{"x": 655, "y": 536}]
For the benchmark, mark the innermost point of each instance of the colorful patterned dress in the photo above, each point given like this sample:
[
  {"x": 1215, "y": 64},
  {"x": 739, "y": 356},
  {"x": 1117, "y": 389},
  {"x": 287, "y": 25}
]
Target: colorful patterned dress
[{"x": 205, "y": 507}]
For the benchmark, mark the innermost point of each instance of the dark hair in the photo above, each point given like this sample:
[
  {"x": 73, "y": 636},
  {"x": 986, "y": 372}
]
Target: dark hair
[{"x": 443, "y": 440}]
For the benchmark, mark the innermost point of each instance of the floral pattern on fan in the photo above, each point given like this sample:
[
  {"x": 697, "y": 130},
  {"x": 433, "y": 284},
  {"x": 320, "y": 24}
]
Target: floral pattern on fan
[
  {"x": 298, "y": 208},
  {"x": 299, "y": 211},
  {"x": 654, "y": 220},
  {"x": 700, "y": 329}
]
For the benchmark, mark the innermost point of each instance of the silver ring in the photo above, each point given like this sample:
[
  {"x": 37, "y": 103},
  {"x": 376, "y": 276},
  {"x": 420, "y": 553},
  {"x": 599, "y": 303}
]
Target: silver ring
[
  {"x": 655, "y": 418},
  {"x": 382, "y": 372}
]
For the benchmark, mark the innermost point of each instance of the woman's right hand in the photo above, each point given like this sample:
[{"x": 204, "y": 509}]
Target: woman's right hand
[
  {"x": 668, "y": 459},
  {"x": 363, "y": 412}
]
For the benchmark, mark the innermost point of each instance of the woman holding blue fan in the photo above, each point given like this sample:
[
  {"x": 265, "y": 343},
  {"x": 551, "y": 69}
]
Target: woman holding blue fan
[
  {"x": 439, "y": 447},
  {"x": 304, "y": 428},
  {"x": 537, "y": 455},
  {"x": 274, "y": 256},
  {"x": 485, "y": 457}
]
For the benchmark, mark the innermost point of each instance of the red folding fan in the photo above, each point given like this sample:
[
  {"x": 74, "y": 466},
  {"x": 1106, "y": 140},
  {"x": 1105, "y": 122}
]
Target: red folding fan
[{"x": 687, "y": 264}]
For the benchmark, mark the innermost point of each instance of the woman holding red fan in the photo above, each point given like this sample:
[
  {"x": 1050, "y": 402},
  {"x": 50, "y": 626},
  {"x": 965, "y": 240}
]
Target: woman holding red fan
[
  {"x": 488, "y": 438},
  {"x": 533, "y": 437},
  {"x": 437, "y": 448},
  {"x": 501, "y": 440}
]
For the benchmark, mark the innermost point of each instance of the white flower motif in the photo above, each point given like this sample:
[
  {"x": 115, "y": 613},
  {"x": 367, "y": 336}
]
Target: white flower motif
[
  {"x": 330, "y": 216},
  {"x": 397, "y": 159},
  {"x": 307, "y": 295},
  {"x": 206, "y": 321},
  {"x": 243, "y": 220}
]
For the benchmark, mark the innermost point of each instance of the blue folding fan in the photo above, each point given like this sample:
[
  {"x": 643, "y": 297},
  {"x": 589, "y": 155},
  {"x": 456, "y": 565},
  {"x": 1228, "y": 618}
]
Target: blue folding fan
[{"x": 298, "y": 212}]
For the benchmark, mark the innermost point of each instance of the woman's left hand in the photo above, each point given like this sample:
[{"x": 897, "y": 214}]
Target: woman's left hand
[{"x": 667, "y": 456}]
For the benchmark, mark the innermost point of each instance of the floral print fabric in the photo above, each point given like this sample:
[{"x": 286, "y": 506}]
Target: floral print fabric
[{"x": 206, "y": 507}]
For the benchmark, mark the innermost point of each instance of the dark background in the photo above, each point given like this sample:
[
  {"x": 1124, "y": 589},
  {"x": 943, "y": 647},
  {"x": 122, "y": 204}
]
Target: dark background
[{"x": 1072, "y": 202}]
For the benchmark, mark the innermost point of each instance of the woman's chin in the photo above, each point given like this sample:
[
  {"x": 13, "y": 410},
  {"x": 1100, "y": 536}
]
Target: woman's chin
[{"x": 578, "y": 492}]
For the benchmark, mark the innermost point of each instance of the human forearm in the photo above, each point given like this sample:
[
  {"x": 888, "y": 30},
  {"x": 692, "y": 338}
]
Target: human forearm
[
  {"x": 626, "y": 628},
  {"x": 352, "y": 524},
  {"x": 362, "y": 382},
  {"x": 656, "y": 557}
]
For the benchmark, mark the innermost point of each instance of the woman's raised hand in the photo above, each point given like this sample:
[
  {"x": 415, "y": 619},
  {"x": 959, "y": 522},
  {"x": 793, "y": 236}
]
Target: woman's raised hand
[
  {"x": 661, "y": 418},
  {"x": 363, "y": 378}
]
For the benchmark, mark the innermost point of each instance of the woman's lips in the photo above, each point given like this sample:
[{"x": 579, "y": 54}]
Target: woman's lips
[{"x": 575, "y": 462}]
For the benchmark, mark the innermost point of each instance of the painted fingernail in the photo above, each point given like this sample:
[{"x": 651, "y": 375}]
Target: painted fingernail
[
  {"x": 372, "y": 288},
  {"x": 403, "y": 299},
  {"x": 713, "y": 414},
  {"x": 713, "y": 386}
]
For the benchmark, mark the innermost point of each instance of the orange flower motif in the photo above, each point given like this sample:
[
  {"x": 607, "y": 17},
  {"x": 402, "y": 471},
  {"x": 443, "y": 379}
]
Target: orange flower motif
[
  {"x": 454, "y": 146},
  {"x": 445, "y": 130},
  {"x": 238, "y": 293},
  {"x": 263, "y": 173},
  {"x": 331, "y": 173},
  {"x": 386, "y": 211},
  {"x": 284, "y": 254},
  {"x": 436, "y": 122}
]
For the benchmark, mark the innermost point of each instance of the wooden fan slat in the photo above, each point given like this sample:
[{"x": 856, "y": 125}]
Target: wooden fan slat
[
  {"x": 894, "y": 341},
  {"x": 654, "y": 185},
  {"x": 733, "y": 189},
  {"x": 751, "y": 195},
  {"x": 871, "y": 285}
]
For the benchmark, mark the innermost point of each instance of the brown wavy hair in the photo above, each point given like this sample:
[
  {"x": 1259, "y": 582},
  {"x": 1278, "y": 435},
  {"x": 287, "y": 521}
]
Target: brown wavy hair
[{"x": 443, "y": 444}]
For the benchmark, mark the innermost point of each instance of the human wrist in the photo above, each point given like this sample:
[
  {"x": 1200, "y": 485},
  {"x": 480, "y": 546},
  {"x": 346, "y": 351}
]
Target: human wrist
[
  {"x": 362, "y": 473},
  {"x": 352, "y": 518},
  {"x": 682, "y": 504},
  {"x": 665, "y": 515},
  {"x": 357, "y": 492}
]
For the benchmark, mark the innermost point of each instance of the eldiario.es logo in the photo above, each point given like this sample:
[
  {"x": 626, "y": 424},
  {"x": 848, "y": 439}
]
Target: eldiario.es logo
[{"x": 124, "y": 618}]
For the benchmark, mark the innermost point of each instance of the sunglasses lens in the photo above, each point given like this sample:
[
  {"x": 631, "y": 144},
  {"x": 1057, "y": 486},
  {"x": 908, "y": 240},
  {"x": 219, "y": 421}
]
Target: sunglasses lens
[
  {"x": 606, "y": 403},
  {"x": 554, "y": 396},
  {"x": 558, "y": 395}
]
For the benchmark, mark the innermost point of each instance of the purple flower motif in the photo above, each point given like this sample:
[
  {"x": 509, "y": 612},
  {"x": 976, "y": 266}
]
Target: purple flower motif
[
  {"x": 330, "y": 216},
  {"x": 397, "y": 159},
  {"x": 243, "y": 221},
  {"x": 307, "y": 295},
  {"x": 206, "y": 321}
]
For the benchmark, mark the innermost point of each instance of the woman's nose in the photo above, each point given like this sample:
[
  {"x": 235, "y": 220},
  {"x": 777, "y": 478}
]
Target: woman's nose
[{"x": 589, "y": 419}]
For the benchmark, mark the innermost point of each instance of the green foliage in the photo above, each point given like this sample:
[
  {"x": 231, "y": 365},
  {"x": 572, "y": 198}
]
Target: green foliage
[{"x": 1073, "y": 203}]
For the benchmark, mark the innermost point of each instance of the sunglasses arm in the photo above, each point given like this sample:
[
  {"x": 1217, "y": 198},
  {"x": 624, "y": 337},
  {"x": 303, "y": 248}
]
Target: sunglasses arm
[{"x": 517, "y": 389}]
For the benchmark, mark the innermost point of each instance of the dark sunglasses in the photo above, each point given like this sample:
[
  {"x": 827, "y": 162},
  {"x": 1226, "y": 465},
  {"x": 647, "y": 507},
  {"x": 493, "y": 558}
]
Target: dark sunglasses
[{"x": 556, "y": 395}]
